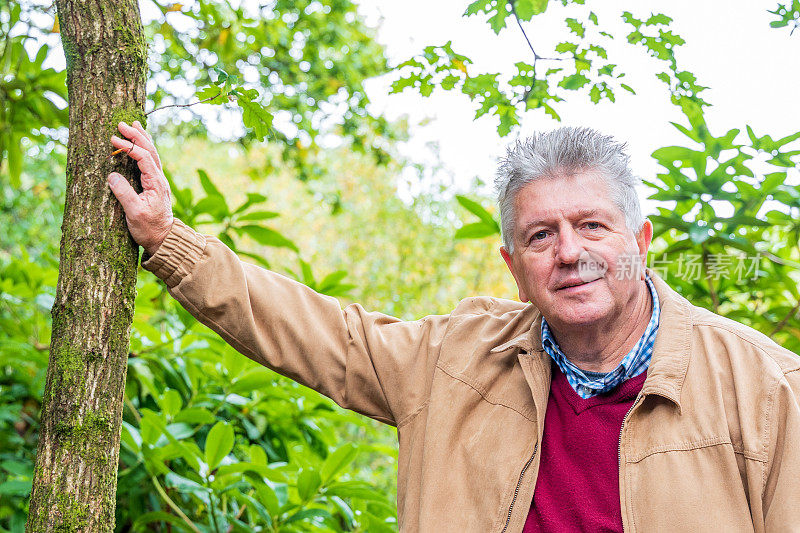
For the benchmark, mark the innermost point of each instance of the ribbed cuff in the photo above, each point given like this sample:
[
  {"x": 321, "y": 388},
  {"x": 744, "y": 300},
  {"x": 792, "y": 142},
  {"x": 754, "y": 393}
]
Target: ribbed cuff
[{"x": 177, "y": 255}]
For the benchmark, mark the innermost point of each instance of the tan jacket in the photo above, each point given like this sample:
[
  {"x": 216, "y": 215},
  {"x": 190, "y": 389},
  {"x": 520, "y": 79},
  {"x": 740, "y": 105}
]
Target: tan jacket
[{"x": 712, "y": 443}]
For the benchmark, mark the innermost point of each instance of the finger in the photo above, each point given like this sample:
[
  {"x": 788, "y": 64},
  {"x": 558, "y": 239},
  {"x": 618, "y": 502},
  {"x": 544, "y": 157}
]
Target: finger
[
  {"x": 133, "y": 149},
  {"x": 137, "y": 153},
  {"x": 152, "y": 147},
  {"x": 138, "y": 126},
  {"x": 123, "y": 191},
  {"x": 139, "y": 136},
  {"x": 152, "y": 178}
]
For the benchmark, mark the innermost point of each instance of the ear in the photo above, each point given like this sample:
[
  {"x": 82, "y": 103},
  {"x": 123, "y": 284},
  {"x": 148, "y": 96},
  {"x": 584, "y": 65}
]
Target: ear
[
  {"x": 509, "y": 259},
  {"x": 643, "y": 240}
]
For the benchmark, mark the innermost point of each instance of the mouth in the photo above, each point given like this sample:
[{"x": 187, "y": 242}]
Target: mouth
[{"x": 574, "y": 284}]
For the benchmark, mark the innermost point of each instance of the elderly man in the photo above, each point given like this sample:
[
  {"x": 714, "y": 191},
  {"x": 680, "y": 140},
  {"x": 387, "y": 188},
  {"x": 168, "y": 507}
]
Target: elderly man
[{"x": 608, "y": 403}]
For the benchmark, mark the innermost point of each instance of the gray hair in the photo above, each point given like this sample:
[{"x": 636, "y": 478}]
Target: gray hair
[{"x": 566, "y": 150}]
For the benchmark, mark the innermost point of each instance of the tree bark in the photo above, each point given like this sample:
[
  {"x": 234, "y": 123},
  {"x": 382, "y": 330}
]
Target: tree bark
[{"x": 75, "y": 481}]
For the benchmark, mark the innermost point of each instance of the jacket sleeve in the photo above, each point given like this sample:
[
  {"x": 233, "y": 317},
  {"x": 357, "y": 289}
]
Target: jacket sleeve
[
  {"x": 782, "y": 474},
  {"x": 371, "y": 363}
]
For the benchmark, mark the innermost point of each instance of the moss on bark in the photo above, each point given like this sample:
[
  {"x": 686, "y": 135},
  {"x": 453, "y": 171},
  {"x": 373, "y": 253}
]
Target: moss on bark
[{"x": 75, "y": 476}]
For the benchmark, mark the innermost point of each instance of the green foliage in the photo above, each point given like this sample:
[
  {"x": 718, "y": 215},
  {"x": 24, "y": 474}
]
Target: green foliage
[
  {"x": 304, "y": 61},
  {"x": 214, "y": 442},
  {"x": 788, "y": 15},
  {"x": 729, "y": 241},
  {"x": 580, "y": 64},
  {"x": 210, "y": 440},
  {"x": 28, "y": 91}
]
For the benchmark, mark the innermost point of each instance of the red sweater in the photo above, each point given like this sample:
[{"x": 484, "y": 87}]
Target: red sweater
[{"x": 578, "y": 484}]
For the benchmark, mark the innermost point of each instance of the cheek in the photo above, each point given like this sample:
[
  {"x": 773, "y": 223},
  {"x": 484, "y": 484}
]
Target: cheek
[{"x": 537, "y": 274}]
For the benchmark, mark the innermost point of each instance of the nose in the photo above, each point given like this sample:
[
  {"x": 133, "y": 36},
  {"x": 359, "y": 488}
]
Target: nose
[{"x": 568, "y": 247}]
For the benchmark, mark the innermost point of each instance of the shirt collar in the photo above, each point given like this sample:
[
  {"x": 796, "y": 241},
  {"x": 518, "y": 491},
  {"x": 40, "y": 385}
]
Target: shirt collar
[{"x": 633, "y": 364}]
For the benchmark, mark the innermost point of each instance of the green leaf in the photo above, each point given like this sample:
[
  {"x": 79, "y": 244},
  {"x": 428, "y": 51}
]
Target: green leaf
[
  {"x": 478, "y": 210},
  {"x": 566, "y": 47},
  {"x": 262, "y": 510},
  {"x": 267, "y": 237},
  {"x": 15, "y": 161},
  {"x": 217, "y": 95},
  {"x": 527, "y": 9},
  {"x": 214, "y": 206},
  {"x": 195, "y": 415},
  {"x": 476, "y": 7},
  {"x": 207, "y": 184},
  {"x": 256, "y": 117},
  {"x": 307, "y": 514},
  {"x": 267, "y": 496},
  {"x": 171, "y": 402},
  {"x": 476, "y": 230},
  {"x": 573, "y": 82},
  {"x": 180, "y": 431},
  {"x": 354, "y": 489},
  {"x": 498, "y": 20},
  {"x": 252, "y": 199},
  {"x": 258, "y": 215},
  {"x": 257, "y": 455},
  {"x": 308, "y": 483},
  {"x": 149, "y": 429},
  {"x": 331, "y": 280},
  {"x": 187, "y": 486},
  {"x": 16, "y": 487},
  {"x": 238, "y": 468},
  {"x": 576, "y": 27},
  {"x": 17, "y": 468},
  {"x": 594, "y": 94},
  {"x": 253, "y": 379},
  {"x": 338, "y": 461},
  {"x": 219, "y": 443}
]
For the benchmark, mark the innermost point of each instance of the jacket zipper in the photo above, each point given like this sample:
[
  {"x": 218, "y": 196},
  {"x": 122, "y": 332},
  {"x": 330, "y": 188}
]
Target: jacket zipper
[
  {"x": 519, "y": 483},
  {"x": 619, "y": 449}
]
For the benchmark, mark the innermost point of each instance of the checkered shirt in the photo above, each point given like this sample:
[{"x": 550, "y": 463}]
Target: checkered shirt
[{"x": 633, "y": 364}]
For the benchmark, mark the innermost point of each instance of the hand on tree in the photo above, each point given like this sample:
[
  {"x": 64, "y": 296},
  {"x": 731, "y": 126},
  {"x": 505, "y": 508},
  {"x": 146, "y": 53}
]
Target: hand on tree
[{"x": 149, "y": 214}]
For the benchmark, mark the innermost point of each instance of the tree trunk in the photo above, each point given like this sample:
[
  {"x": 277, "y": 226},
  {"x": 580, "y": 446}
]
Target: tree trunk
[{"x": 75, "y": 481}]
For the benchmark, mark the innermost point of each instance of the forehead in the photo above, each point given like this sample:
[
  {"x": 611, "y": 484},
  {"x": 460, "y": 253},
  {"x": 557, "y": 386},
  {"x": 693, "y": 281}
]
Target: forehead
[{"x": 575, "y": 194}]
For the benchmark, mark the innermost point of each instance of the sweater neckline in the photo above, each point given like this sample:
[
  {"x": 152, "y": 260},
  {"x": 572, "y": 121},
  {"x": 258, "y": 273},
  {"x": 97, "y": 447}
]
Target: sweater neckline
[{"x": 624, "y": 392}]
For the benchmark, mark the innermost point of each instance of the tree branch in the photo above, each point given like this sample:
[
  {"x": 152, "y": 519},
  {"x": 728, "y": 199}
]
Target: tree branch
[
  {"x": 786, "y": 319},
  {"x": 184, "y": 105},
  {"x": 536, "y": 56}
]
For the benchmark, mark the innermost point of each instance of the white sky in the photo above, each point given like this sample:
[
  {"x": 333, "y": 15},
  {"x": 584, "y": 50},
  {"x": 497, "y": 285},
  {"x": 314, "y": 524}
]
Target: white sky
[{"x": 753, "y": 72}]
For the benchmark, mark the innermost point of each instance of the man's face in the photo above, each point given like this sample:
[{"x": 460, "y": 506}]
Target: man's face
[{"x": 574, "y": 258}]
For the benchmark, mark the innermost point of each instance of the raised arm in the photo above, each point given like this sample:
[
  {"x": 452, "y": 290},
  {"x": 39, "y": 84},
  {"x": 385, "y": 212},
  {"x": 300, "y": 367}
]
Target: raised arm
[{"x": 368, "y": 362}]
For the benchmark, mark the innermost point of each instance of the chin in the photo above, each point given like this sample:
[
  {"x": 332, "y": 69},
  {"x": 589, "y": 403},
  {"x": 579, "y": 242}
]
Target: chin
[{"x": 581, "y": 317}]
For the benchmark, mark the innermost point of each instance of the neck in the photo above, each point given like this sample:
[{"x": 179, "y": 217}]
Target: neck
[{"x": 600, "y": 347}]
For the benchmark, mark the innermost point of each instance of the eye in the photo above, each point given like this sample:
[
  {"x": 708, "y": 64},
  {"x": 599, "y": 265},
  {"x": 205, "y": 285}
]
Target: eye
[
  {"x": 593, "y": 225},
  {"x": 539, "y": 235}
]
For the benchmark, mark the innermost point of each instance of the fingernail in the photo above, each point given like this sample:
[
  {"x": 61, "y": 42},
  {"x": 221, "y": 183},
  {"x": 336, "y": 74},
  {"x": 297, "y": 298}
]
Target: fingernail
[
  {"x": 114, "y": 179},
  {"x": 137, "y": 123},
  {"x": 124, "y": 124}
]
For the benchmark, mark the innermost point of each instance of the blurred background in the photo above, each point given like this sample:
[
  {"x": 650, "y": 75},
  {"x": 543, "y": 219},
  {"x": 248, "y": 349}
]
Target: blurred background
[{"x": 352, "y": 146}]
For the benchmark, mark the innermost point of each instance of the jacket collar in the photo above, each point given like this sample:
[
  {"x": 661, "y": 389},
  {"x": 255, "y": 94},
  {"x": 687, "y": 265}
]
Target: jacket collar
[{"x": 671, "y": 351}]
